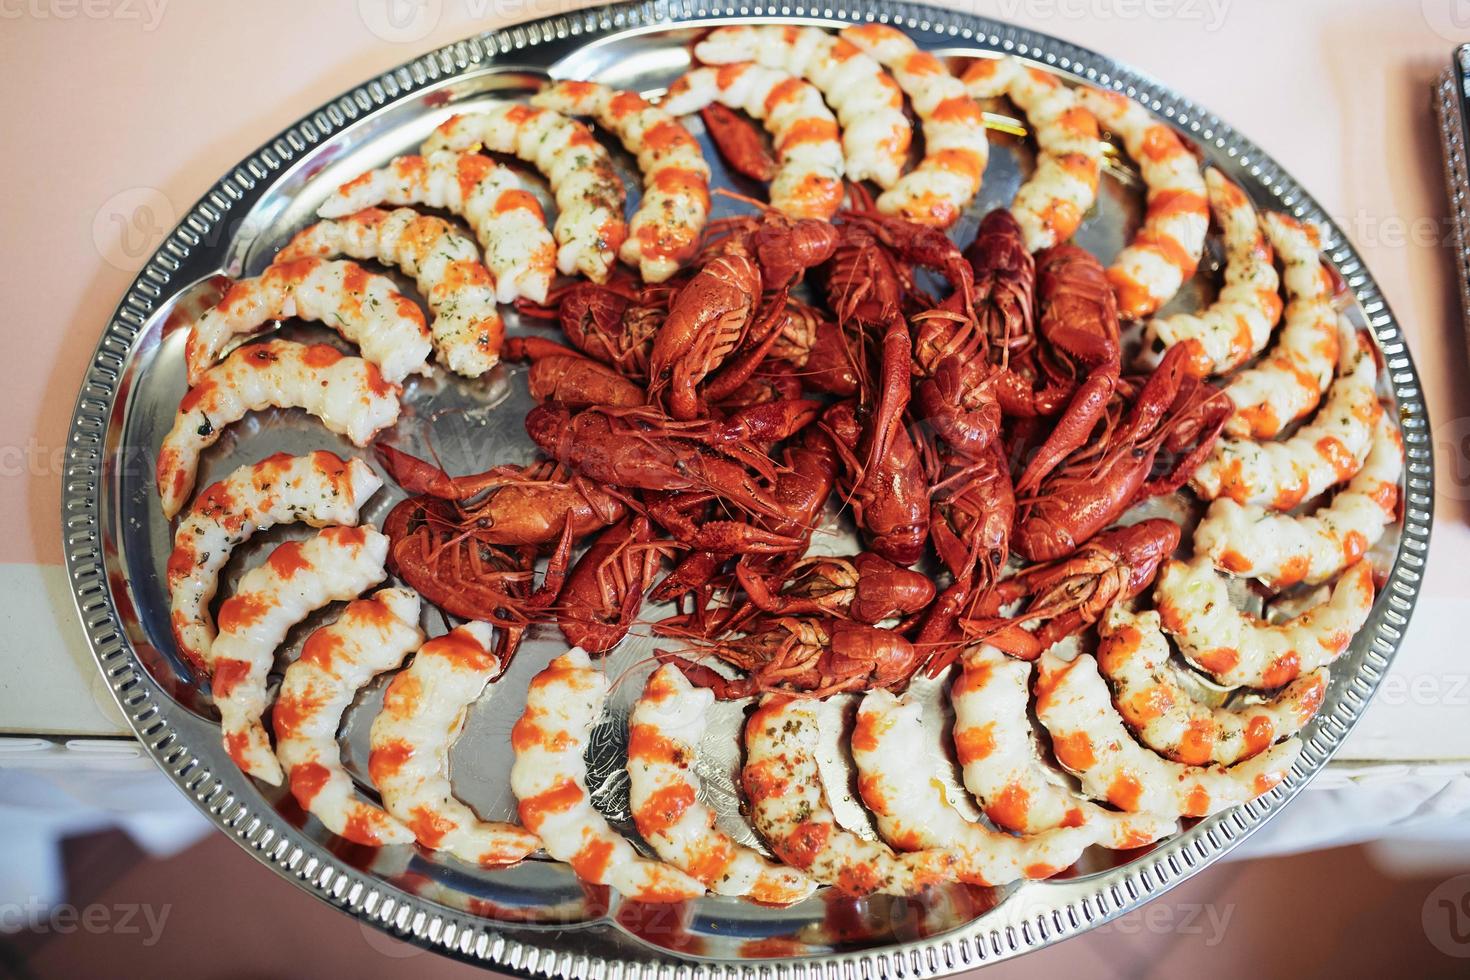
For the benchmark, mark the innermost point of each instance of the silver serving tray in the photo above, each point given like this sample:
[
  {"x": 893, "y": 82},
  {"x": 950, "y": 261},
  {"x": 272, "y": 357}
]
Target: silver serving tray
[{"x": 535, "y": 918}]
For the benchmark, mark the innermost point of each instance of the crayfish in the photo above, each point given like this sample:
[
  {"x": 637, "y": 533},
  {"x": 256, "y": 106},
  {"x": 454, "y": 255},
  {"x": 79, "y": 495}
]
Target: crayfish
[
  {"x": 732, "y": 309},
  {"x": 1071, "y": 594},
  {"x": 866, "y": 588},
  {"x": 870, "y": 277},
  {"x": 676, "y": 424},
  {"x": 507, "y": 505},
  {"x": 642, "y": 449},
  {"x": 466, "y": 576},
  {"x": 604, "y": 591},
  {"x": 811, "y": 655},
  {"x": 1174, "y": 411},
  {"x": 740, "y": 143},
  {"x": 613, "y": 323},
  {"x": 1079, "y": 362},
  {"x": 959, "y": 388},
  {"x": 567, "y": 377}
]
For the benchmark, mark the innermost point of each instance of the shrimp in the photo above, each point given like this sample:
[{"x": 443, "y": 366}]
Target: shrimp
[
  {"x": 549, "y": 778},
  {"x": 338, "y": 563},
  {"x": 1281, "y": 550},
  {"x": 1167, "y": 249},
  {"x": 663, "y": 740},
  {"x": 362, "y": 306},
  {"x": 467, "y": 331},
  {"x": 371, "y": 636},
  {"x": 664, "y": 232},
  {"x": 1329, "y": 451},
  {"x": 955, "y": 148},
  {"x": 589, "y": 194},
  {"x": 317, "y": 489},
  {"x": 1050, "y": 204},
  {"x": 1134, "y": 656},
  {"x": 424, "y": 711},
  {"x": 1240, "y": 650},
  {"x": 1091, "y": 741},
  {"x": 869, "y": 104},
  {"x": 1002, "y": 767},
  {"x": 347, "y": 395},
  {"x": 1237, "y": 326},
  {"x": 900, "y": 784},
  {"x": 783, "y": 789},
  {"x": 1288, "y": 382},
  {"x": 808, "y": 181},
  {"x": 504, "y": 215}
]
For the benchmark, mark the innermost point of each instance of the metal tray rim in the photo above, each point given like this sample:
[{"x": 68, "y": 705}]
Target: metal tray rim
[{"x": 226, "y": 798}]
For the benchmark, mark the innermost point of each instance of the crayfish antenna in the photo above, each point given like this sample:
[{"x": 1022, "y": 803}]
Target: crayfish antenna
[{"x": 743, "y": 199}]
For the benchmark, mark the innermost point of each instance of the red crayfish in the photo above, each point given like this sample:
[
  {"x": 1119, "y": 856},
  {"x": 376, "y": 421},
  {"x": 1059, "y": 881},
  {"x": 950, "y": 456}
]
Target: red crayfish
[
  {"x": 1173, "y": 411},
  {"x": 1070, "y": 594}
]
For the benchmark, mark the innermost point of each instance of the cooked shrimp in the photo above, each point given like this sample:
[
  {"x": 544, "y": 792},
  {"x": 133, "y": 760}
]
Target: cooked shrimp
[
  {"x": 338, "y": 563},
  {"x": 362, "y": 306},
  {"x": 317, "y": 489},
  {"x": 1167, "y": 249},
  {"x": 1002, "y": 766},
  {"x": 371, "y": 636},
  {"x": 504, "y": 215},
  {"x": 424, "y": 711},
  {"x": 783, "y": 789},
  {"x": 955, "y": 149},
  {"x": 869, "y": 104},
  {"x": 589, "y": 193},
  {"x": 808, "y": 181},
  {"x": 347, "y": 394},
  {"x": 664, "y": 231},
  {"x": 900, "y": 785},
  {"x": 663, "y": 741},
  {"x": 1240, "y": 650},
  {"x": 466, "y": 331},
  {"x": 549, "y": 778},
  {"x": 1288, "y": 382},
  {"x": 1281, "y": 474},
  {"x": 1237, "y": 326},
  {"x": 1050, "y": 204},
  {"x": 1090, "y": 741},
  {"x": 1283, "y": 549},
  {"x": 1134, "y": 656}
]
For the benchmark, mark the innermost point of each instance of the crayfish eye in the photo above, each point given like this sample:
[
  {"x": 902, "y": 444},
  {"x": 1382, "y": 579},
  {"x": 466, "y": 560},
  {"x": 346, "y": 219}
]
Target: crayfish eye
[{"x": 1138, "y": 453}]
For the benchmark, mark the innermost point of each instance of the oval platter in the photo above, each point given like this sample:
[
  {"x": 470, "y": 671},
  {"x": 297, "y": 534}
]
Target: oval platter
[{"x": 535, "y": 919}]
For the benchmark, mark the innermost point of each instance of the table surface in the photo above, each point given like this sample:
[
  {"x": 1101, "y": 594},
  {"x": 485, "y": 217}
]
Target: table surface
[{"x": 120, "y": 113}]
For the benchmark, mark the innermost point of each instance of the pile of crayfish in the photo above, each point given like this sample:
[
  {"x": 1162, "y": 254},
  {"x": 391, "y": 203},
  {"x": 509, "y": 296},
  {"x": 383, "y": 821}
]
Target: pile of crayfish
[{"x": 985, "y": 442}]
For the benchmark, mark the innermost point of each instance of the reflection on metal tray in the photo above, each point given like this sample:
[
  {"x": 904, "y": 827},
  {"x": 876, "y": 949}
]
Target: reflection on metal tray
[{"x": 536, "y": 918}]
